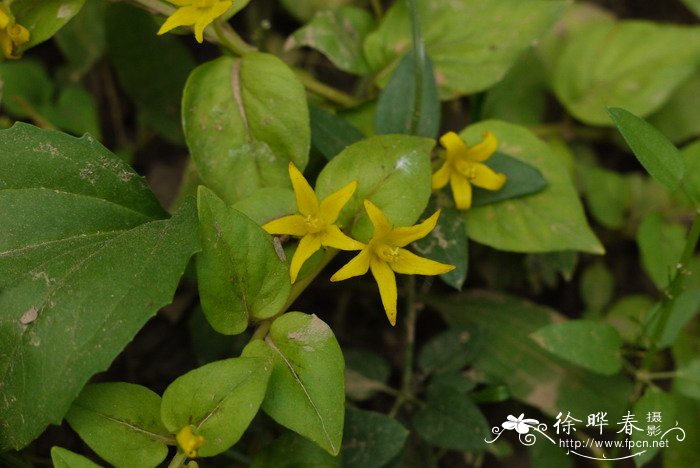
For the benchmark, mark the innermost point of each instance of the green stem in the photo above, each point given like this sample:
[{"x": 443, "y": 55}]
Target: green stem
[
  {"x": 377, "y": 8},
  {"x": 409, "y": 347},
  {"x": 674, "y": 289},
  {"x": 325, "y": 91},
  {"x": 229, "y": 39},
  {"x": 178, "y": 460}
]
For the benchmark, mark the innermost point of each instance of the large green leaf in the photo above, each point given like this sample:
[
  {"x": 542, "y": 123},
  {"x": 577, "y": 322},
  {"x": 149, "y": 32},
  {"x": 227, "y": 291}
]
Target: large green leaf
[
  {"x": 294, "y": 451},
  {"x": 121, "y": 423},
  {"x": 245, "y": 120},
  {"x": 338, "y": 34},
  {"x": 306, "y": 391},
  {"x": 592, "y": 345},
  {"x": 508, "y": 355},
  {"x": 240, "y": 275},
  {"x": 43, "y": 18},
  {"x": 631, "y": 64},
  {"x": 219, "y": 399},
  {"x": 656, "y": 153},
  {"x": 472, "y": 43},
  {"x": 551, "y": 220},
  {"x": 371, "y": 439},
  {"x": 82, "y": 267},
  {"x": 393, "y": 171},
  {"x": 660, "y": 248},
  {"x": 151, "y": 69}
]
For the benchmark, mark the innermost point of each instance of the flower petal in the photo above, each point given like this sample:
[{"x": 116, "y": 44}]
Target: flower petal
[
  {"x": 293, "y": 225},
  {"x": 522, "y": 428},
  {"x": 182, "y": 3},
  {"x": 441, "y": 177},
  {"x": 308, "y": 245},
  {"x": 333, "y": 203},
  {"x": 402, "y": 236},
  {"x": 381, "y": 223},
  {"x": 356, "y": 267},
  {"x": 454, "y": 145},
  {"x": 487, "y": 178},
  {"x": 334, "y": 237},
  {"x": 461, "y": 191},
  {"x": 482, "y": 151},
  {"x": 509, "y": 425},
  {"x": 306, "y": 198},
  {"x": 185, "y": 16},
  {"x": 409, "y": 263},
  {"x": 386, "y": 280},
  {"x": 207, "y": 16}
]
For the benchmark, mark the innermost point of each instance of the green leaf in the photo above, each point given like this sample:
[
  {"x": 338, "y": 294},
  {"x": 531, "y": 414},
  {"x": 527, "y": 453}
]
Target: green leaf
[
  {"x": 393, "y": 171},
  {"x": 291, "y": 450},
  {"x": 44, "y": 18},
  {"x": 219, "y": 399},
  {"x": 331, "y": 134},
  {"x": 447, "y": 243},
  {"x": 596, "y": 286},
  {"x": 448, "y": 351},
  {"x": 656, "y": 153},
  {"x": 75, "y": 111},
  {"x": 365, "y": 373},
  {"x": 679, "y": 118},
  {"x": 546, "y": 455},
  {"x": 306, "y": 391},
  {"x": 533, "y": 375},
  {"x": 472, "y": 43},
  {"x": 240, "y": 275},
  {"x": 628, "y": 314},
  {"x": 243, "y": 131},
  {"x": 397, "y": 106},
  {"x": 371, "y": 439},
  {"x": 121, "y": 423},
  {"x": 606, "y": 193},
  {"x": 521, "y": 97},
  {"x": 151, "y": 69},
  {"x": 63, "y": 458},
  {"x": 267, "y": 203},
  {"x": 660, "y": 247},
  {"x": 631, "y": 64},
  {"x": 523, "y": 179},
  {"x": 451, "y": 420},
  {"x": 693, "y": 5},
  {"x": 591, "y": 345},
  {"x": 83, "y": 41},
  {"x": 82, "y": 266},
  {"x": 24, "y": 82},
  {"x": 548, "y": 221},
  {"x": 654, "y": 401},
  {"x": 683, "y": 308},
  {"x": 338, "y": 34},
  {"x": 688, "y": 380},
  {"x": 682, "y": 455},
  {"x": 691, "y": 156}
]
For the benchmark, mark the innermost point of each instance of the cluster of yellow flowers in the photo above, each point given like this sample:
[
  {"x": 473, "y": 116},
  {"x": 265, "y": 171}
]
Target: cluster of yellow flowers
[
  {"x": 12, "y": 35},
  {"x": 384, "y": 254}
]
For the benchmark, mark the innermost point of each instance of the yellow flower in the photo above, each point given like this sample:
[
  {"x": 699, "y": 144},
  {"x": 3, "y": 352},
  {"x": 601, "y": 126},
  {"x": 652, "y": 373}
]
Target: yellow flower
[
  {"x": 189, "y": 441},
  {"x": 463, "y": 168},
  {"x": 12, "y": 35},
  {"x": 384, "y": 256},
  {"x": 199, "y": 13},
  {"x": 315, "y": 222}
]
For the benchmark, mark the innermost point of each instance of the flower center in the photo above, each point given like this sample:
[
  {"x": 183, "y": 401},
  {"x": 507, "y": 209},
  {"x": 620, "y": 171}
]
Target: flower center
[
  {"x": 467, "y": 169},
  {"x": 387, "y": 253},
  {"x": 313, "y": 224}
]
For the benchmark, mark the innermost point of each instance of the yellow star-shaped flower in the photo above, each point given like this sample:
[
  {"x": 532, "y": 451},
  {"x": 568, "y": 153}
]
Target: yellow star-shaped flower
[
  {"x": 315, "y": 222},
  {"x": 189, "y": 441},
  {"x": 12, "y": 35},
  {"x": 197, "y": 13},
  {"x": 464, "y": 167},
  {"x": 385, "y": 256}
]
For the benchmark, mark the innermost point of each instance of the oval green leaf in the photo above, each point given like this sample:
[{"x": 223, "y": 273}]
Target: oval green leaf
[
  {"x": 243, "y": 131},
  {"x": 219, "y": 399},
  {"x": 44, "y": 18},
  {"x": 240, "y": 275},
  {"x": 63, "y": 458},
  {"x": 121, "y": 423},
  {"x": 393, "y": 171},
  {"x": 306, "y": 392}
]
